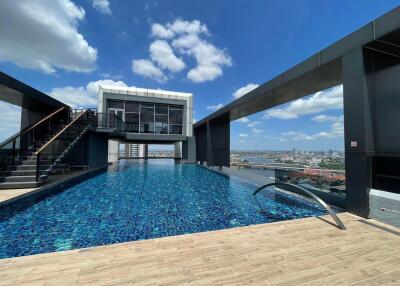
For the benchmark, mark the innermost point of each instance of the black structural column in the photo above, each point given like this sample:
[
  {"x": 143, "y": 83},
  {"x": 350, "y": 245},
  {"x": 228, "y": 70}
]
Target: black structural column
[
  {"x": 358, "y": 132},
  {"x": 218, "y": 143},
  {"x": 200, "y": 134}
]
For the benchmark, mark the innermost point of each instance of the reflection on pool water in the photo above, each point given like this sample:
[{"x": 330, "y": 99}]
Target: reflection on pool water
[{"x": 142, "y": 199}]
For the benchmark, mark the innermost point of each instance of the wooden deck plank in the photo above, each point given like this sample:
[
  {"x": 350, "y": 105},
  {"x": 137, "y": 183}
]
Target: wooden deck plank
[{"x": 298, "y": 252}]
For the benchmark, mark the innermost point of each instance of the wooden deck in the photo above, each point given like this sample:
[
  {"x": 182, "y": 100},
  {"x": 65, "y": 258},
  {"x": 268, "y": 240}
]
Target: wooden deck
[
  {"x": 299, "y": 252},
  {"x": 9, "y": 194}
]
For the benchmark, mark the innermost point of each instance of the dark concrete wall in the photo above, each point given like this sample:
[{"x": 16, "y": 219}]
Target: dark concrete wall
[
  {"x": 357, "y": 126},
  {"x": 97, "y": 150},
  {"x": 29, "y": 116},
  {"x": 189, "y": 150},
  {"x": 201, "y": 144},
  {"x": 92, "y": 150},
  {"x": 371, "y": 89},
  {"x": 218, "y": 143}
]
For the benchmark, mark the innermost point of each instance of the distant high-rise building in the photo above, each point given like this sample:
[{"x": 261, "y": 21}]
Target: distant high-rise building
[{"x": 137, "y": 150}]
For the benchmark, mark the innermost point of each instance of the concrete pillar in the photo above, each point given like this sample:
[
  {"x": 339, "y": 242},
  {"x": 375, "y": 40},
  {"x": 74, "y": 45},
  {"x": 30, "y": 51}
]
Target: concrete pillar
[
  {"x": 358, "y": 132},
  {"x": 189, "y": 150},
  {"x": 201, "y": 143},
  {"x": 113, "y": 148},
  {"x": 126, "y": 153},
  {"x": 218, "y": 143},
  {"x": 178, "y": 150}
]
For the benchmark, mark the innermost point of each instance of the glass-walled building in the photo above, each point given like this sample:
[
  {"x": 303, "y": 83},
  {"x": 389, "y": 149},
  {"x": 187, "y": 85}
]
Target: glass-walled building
[
  {"x": 146, "y": 116},
  {"x": 148, "y": 111}
]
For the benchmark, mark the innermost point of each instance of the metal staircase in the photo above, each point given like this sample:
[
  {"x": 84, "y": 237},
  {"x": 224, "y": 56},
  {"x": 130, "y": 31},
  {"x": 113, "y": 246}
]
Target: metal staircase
[{"x": 30, "y": 156}]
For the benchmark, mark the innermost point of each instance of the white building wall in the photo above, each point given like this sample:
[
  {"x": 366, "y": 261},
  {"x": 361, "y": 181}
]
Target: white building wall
[{"x": 113, "y": 150}]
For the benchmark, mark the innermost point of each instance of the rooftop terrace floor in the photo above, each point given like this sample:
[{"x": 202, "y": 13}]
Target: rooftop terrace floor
[{"x": 306, "y": 251}]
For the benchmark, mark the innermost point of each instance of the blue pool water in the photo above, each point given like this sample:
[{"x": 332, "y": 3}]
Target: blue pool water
[{"x": 139, "y": 200}]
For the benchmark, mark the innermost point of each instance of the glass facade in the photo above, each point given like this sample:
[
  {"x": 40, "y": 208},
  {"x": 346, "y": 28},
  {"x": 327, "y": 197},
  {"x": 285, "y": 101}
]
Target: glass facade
[{"x": 141, "y": 117}]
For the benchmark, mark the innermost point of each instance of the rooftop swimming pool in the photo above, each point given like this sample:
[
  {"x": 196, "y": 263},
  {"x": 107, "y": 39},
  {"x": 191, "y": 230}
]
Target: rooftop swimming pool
[{"x": 142, "y": 199}]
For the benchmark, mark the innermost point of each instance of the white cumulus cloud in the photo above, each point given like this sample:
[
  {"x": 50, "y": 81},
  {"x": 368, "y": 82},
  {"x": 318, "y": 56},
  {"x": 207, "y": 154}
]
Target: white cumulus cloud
[
  {"x": 244, "y": 89},
  {"x": 243, "y": 120},
  {"x": 256, "y": 130},
  {"x": 209, "y": 58},
  {"x": 102, "y": 5},
  {"x": 147, "y": 68},
  {"x": 187, "y": 39},
  {"x": 336, "y": 131},
  {"x": 44, "y": 35},
  {"x": 215, "y": 107},
  {"x": 324, "y": 118},
  {"x": 162, "y": 53},
  {"x": 243, "y": 135},
  {"x": 253, "y": 123},
  {"x": 82, "y": 96},
  {"x": 324, "y": 100}
]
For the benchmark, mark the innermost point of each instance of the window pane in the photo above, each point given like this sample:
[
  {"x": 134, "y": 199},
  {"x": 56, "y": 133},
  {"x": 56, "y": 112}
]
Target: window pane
[
  {"x": 175, "y": 116},
  {"x": 131, "y": 106},
  {"x": 162, "y": 118},
  {"x": 147, "y": 115},
  {"x": 162, "y": 109},
  {"x": 150, "y": 105},
  {"x": 115, "y": 104},
  {"x": 131, "y": 117},
  {"x": 180, "y": 107},
  {"x": 132, "y": 122},
  {"x": 161, "y": 128},
  {"x": 146, "y": 127},
  {"x": 175, "y": 129}
]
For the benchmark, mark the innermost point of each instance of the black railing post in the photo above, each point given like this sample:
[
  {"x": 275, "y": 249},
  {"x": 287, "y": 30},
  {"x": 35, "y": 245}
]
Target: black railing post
[
  {"x": 33, "y": 138},
  {"x": 37, "y": 166},
  {"x": 14, "y": 151}
]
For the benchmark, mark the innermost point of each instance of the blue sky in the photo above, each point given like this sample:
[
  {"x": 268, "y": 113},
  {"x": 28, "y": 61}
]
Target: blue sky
[{"x": 209, "y": 48}]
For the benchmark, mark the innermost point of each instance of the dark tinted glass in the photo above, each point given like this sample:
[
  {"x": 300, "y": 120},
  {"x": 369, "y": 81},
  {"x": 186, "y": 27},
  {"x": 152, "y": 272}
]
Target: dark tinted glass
[
  {"x": 131, "y": 117},
  {"x": 175, "y": 129},
  {"x": 131, "y": 106},
  {"x": 115, "y": 104},
  {"x": 175, "y": 116},
  {"x": 150, "y": 105},
  {"x": 162, "y": 118},
  {"x": 146, "y": 127},
  {"x": 147, "y": 114},
  {"x": 162, "y": 109},
  {"x": 132, "y": 122},
  {"x": 161, "y": 128}
]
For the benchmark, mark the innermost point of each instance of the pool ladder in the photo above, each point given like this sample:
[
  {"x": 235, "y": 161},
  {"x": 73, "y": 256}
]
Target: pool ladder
[{"x": 309, "y": 194}]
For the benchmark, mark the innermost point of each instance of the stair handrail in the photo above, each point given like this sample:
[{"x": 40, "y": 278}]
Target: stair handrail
[
  {"x": 310, "y": 194},
  {"x": 59, "y": 133},
  {"x": 41, "y": 149},
  {"x": 30, "y": 127}
]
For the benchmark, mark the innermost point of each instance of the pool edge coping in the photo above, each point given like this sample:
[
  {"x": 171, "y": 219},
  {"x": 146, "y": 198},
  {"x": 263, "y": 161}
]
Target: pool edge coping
[{"x": 57, "y": 184}]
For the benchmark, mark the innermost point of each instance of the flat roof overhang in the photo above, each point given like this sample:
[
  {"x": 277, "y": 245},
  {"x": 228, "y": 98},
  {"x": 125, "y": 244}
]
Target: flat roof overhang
[
  {"x": 142, "y": 138},
  {"x": 18, "y": 93},
  {"x": 154, "y": 138},
  {"x": 321, "y": 71}
]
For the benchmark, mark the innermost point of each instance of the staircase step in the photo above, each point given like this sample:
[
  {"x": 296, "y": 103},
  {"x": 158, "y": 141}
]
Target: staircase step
[
  {"x": 18, "y": 173},
  {"x": 32, "y": 162},
  {"x": 19, "y": 185},
  {"x": 23, "y": 179},
  {"x": 27, "y": 167}
]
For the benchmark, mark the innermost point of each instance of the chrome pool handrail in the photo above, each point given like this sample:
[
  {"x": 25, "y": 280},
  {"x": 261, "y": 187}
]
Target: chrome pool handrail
[{"x": 310, "y": 194}]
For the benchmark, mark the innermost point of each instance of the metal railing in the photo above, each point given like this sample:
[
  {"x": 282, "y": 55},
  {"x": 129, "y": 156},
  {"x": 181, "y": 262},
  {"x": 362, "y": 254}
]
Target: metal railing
[
  {"x": 60, "y": 143},
  {"x": 110, "y": 121},
  {"x": 30, "y": 137},
  {"x": 309, "y": 194}
]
